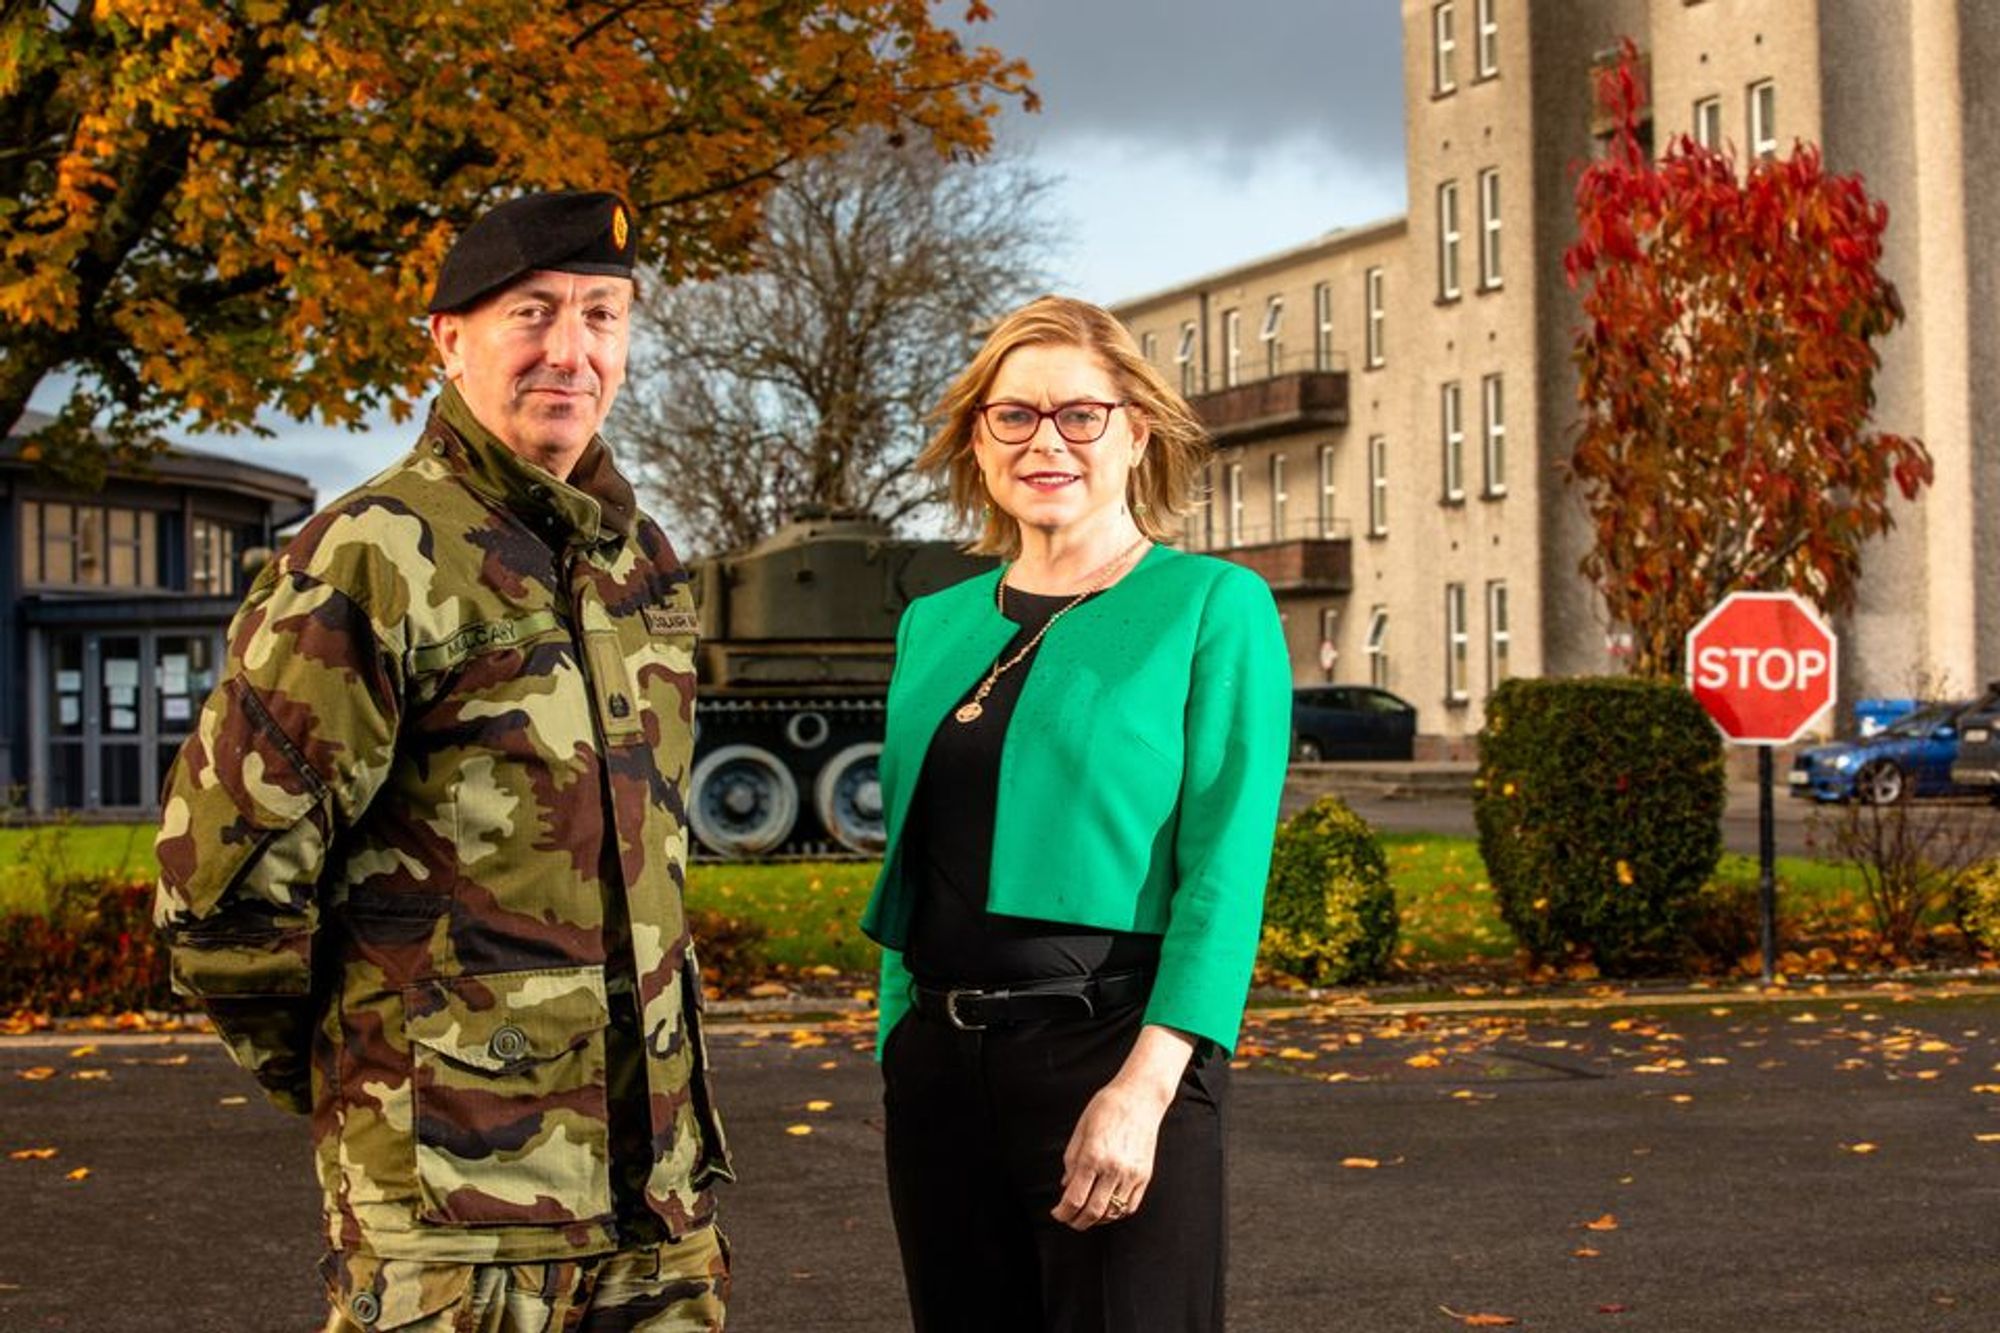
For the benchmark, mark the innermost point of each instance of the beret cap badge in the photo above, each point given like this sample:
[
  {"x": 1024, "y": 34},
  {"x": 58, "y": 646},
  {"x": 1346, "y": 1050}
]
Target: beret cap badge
[{"x": 565, "y": 231}]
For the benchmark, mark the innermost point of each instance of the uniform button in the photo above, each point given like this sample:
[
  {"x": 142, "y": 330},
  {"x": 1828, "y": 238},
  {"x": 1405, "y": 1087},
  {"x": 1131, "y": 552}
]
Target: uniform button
[
  {"x": 439, "y": 449},
  {"x": 509, "y": 1043},
  {"x": 365, "y": 1308}
]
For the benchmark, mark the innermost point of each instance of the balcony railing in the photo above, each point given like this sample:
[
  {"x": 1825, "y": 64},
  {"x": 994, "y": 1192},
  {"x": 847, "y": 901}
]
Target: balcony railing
[
  {"x": 1276, "y": 404},
  {"x": 1304, "y": 555}
]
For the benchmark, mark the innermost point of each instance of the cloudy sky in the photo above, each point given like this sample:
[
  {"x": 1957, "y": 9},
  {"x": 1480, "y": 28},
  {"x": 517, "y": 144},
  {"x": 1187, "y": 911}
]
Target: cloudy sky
[{"x": 1184, "y": 136}]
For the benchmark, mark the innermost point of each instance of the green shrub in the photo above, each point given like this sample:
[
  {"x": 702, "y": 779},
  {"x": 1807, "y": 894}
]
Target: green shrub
[
  {"x": 1329, "y": 912},
  {"x": 1599, "y": 806},
  {"x": 93, "y": 951},
  {"x": 1976, "y": 902}
]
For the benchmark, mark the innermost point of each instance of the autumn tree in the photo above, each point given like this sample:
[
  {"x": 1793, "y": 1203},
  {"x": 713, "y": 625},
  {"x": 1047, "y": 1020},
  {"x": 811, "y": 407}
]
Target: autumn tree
[
  {"x": 1727, "y": 361},
  {"x": 803, "y": 383},
  {"x": 208, "y": 207}
]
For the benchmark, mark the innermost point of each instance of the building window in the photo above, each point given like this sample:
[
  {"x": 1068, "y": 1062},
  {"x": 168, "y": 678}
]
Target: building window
[
  {"x": 1456, "y": 644},
  {"x": 1497, "y": 637},
  {"x": 1495, "y": 450},
  {"x": 212, "y": 559},
  {"x": 1377, "y": 314},
  {"x": 1708, "y": 122},
  {"x": 1378, "y": 647},
  {"x": 1329, "y": 639},
  {"x": 1207, "y": 542},
  {"x": 1326, "y": 490},
  {"x": 1235, "y": 476},
  {"x": 1444, "y": 48},
  {"x": 1184, "y": 357},
  {"x": 1323, "y": 326},
  {"x": 1763, "y": 119},
  {"x": 1149, "y": 348},
  {"x": 1448, "y": 241},
  {"x": 66, "y": 546},
  {"x": 1488, "y": 38},
  {"x": 1270, "y": 335},
  {"x": 1451, "y": 412},
  {"x": 1278, "y": 497},
  {"x": 1232, "y": 348},
  {"x": 1489, "y": 228},
  {"x": 1378, "y": 486}
]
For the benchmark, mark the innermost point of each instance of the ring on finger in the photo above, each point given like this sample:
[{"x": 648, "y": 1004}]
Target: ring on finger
[{"x": 1118, "y": 1206}]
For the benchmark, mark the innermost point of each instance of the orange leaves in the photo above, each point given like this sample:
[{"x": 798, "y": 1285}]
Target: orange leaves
[
  {"x": 31, "y": 1154},
  {"x": 1481, "y": 1320},
  {"x": 1605, "y": 1223}
]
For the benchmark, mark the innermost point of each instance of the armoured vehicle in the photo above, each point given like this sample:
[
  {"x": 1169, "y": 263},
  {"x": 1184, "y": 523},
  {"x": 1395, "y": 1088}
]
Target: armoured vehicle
[{"x": 798, "y": 637}]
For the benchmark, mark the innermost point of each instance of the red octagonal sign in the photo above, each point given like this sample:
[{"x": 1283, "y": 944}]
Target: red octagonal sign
[{"x": 1763, "y": 665}]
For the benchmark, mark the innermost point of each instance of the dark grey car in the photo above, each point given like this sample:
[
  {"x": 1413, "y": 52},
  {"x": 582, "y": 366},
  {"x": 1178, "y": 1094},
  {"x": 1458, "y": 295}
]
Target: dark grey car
[
  {"x": 1977, "y": 764},
  {"x": 1351, "y": 722}
]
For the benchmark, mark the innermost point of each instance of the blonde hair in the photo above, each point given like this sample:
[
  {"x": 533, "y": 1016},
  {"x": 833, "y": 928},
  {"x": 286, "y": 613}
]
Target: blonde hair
[{"x": 1163, "y": 485}]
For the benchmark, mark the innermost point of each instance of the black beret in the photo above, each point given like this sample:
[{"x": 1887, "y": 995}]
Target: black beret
[{"x": 569, "y": 231}]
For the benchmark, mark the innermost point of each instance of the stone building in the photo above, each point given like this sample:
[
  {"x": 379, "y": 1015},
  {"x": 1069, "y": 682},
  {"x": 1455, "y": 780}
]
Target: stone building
[{"x": 1393, "y": 403}]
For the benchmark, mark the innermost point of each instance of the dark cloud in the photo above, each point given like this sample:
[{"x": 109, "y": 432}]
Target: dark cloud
[{"x": 1212, "y": 75}]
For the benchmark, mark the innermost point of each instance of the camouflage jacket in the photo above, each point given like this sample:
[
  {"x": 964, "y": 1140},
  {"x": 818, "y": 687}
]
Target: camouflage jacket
[{"x": 426, "y": 848}]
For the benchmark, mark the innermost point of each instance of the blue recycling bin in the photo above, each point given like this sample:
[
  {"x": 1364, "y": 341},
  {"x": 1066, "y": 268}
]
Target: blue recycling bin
[{"x": 1871, "y": 715}]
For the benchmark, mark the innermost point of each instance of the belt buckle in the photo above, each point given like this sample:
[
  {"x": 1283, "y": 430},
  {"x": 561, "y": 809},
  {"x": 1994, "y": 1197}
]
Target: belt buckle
[{"x": 951, "y": 1011}]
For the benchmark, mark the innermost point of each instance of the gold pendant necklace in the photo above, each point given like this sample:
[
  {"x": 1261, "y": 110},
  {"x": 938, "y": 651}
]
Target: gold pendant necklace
[{"x": 972, "y": 708}]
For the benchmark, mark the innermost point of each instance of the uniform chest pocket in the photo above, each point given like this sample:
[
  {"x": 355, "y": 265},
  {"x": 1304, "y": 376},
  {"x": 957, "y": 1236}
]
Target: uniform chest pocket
[{"x": 509, "y": 1107}]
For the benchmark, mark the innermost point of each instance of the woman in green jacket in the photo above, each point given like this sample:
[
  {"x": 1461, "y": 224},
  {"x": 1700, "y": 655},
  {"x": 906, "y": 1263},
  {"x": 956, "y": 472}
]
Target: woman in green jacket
[{"x": 1082, "y": 765}]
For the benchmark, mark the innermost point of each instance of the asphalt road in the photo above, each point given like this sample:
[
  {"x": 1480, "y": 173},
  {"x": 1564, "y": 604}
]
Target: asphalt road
[
  {"x": 1801, "y": 827},
  {"x": 1713, "y": 1162}
]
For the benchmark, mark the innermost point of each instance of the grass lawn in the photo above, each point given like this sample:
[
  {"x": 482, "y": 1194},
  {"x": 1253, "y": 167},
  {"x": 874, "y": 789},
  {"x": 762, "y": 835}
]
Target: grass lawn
[{"x": 809, "y": 910}]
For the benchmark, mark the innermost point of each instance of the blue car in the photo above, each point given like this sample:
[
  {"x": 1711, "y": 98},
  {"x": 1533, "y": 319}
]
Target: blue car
[{"x": 1912, "y": 757}]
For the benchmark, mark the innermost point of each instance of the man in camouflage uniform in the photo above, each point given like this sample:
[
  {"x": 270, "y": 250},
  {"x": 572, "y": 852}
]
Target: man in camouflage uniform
[{"x": 422, "y": 860}]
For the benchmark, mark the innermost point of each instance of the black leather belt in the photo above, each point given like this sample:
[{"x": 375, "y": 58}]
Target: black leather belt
[{"x": 973, "y": 1008}]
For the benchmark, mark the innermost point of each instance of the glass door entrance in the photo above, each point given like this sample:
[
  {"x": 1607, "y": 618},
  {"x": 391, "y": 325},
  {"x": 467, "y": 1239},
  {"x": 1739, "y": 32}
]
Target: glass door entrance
[{"x": 116, "y": 708}]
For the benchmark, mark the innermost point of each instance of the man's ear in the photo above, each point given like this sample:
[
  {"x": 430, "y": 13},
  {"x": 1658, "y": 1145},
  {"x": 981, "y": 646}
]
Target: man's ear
[{"x": 446, "y": 331}]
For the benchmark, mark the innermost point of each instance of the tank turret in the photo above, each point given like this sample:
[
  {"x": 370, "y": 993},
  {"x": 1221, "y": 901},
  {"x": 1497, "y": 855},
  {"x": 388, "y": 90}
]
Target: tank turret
[{"x": 798, "y": 639}]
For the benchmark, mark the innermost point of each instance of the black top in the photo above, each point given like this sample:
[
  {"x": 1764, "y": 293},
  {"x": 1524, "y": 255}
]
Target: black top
[{"x": 953, "y": 939}]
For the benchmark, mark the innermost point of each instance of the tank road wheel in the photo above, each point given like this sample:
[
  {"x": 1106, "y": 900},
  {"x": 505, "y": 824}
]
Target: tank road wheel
[
  {"x": 741, "y": 801},
  {"x": 848, "y": 795}
]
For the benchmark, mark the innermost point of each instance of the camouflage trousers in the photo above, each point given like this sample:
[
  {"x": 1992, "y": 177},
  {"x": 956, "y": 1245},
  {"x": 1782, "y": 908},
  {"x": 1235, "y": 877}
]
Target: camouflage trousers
[{"x": 672, "y": 1287}]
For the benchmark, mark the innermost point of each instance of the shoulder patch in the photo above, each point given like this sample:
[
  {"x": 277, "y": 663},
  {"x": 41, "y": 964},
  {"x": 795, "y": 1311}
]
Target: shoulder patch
[{"x": 669, "y": 620}]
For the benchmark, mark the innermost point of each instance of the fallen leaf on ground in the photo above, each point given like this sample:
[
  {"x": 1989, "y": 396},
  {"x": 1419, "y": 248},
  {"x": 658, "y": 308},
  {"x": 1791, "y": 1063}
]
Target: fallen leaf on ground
[
  {"x": 1585, "y": 1252},
  {"x": 82, "y": 1051},
  {"x": 41, "y": 1072},
  {"x": 1360, "y": 1163},
  {"x": 81, "y": 1173},
  {"x": 31, "y": 1154},
  {"x": 1604, "y": 1223},
  {"x": 1428, "y": 1062},
  {"x": 1612, "y": 1307},
  {"x": 1481, "y": 1320},
  {"x": 797, "y": 1130},
  {"x": 89, "y": 1074},
  {"x": 1862, "y": 1148},
  {"x": 1987, "y": 1138},
  {"x": 233, "y": 1101},
  {"x": 819, "y": 1105}
]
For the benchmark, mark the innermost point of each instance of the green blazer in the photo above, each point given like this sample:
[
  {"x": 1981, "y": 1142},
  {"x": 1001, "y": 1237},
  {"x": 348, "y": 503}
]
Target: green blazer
[{"x": 1139, "y": 779}]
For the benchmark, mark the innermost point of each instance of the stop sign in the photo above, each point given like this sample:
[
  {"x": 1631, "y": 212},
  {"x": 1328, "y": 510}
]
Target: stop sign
[{"x": 1762, "y": 664}]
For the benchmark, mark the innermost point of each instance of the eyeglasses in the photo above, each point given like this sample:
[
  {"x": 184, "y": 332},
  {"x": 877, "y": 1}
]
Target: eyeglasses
[{"x": 1081, "y": 422}]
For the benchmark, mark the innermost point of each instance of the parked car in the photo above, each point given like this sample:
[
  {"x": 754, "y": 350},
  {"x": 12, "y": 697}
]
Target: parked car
[
  {"x": 1912, "y": 757},
  {"x": 1351, "y": 722},
  {"x": 1977, "y": 766}
]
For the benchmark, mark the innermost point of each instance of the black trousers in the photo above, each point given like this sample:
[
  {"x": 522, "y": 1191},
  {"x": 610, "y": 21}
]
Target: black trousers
[{"x": 977, "y": 1123}]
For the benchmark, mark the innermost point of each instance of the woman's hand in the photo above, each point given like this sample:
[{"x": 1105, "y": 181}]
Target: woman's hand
[{"x": 1109, "y": 1161}]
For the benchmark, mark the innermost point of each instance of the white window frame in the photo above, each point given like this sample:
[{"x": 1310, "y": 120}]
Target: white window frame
[
  {"x": 1451, "y": 435},
  {"x": 1233, "y": 475},
  {"x": 1499, "y": 638},
  {"x": 1232, "y": 347},
  {"x": 1272, "y": 335},
  {"x": 1448, "y": 239},
  {"x": 1493, "y": 415},
  {"x": 1487, "y": 41},
  {"x": 1457, "y": 646},
  {"x": 1280, "y": 497},
  {"x": 1323, "y": 326},
  {"x": 1378, "y": 647},
  {"x": 1328, "y": 494},
  {"x": 1208, "y": 506},
  {"x": 1762, "y": 118},
  {"x": 1184, "y": 356},
  {"x": 1329, "y": 633},
  {"x": 1444, "y": 48},
  {"x": 1708, "y": 122},
  {"x": 1489, "y": 228},
  {"x": 1372, "y": 285},
  {"x": 1149, "y": 348},
  {"x": 1378, "y": 485}
]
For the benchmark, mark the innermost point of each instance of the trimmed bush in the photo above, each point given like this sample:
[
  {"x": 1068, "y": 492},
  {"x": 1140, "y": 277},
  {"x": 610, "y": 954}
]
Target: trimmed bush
[
  {"x": 1976, "y": 902},
  {"x": 93, "y": 952},
  {"x": 1329, "y": 912},
  {"x": 1599, "y": 806}
]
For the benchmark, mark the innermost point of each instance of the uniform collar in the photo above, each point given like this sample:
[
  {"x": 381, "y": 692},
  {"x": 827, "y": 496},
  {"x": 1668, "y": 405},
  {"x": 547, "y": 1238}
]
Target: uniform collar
[{"x": 594, "y": 504}]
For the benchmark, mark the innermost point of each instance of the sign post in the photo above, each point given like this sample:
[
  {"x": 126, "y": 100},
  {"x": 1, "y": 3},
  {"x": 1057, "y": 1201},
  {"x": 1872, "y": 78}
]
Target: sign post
[{"x": 1763, "y": 665}]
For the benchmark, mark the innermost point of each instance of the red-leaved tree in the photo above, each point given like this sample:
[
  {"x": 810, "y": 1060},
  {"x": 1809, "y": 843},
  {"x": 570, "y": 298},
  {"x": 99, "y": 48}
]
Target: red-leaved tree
[{"x": 1727, "y": 362}]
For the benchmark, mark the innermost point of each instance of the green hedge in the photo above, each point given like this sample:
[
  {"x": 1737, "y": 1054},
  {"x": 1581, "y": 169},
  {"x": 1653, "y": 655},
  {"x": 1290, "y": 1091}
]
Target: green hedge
[
  {"x": 1329, "y": 912},
  {"x": 1599, "y": 806}
]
